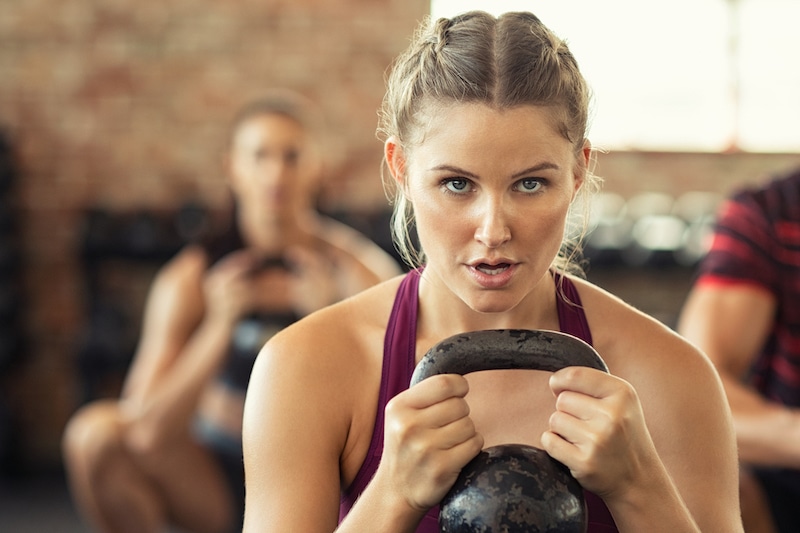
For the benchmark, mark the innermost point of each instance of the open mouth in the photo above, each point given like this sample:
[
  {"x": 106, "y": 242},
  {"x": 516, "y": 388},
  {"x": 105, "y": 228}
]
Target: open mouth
[{"x": 492, "y": 270}]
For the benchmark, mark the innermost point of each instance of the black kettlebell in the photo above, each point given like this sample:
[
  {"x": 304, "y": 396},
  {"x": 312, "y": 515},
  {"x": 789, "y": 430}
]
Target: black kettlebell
[{"x": 511, "y": 488}]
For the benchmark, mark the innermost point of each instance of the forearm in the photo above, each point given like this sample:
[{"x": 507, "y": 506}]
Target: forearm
[
  {"x": 767, "y": 433},
  {"x": 654, "y": 506},
  {"x": 169, "y": 404},
  {"x": 376, "y": 510}
]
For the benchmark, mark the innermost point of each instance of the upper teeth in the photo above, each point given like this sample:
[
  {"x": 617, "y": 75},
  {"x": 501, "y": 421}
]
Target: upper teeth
[{"x": 491, "y": 270}]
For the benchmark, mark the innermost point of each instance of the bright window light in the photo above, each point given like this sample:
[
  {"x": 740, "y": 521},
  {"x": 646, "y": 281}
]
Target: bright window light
[{"x": 684, "y": 75}]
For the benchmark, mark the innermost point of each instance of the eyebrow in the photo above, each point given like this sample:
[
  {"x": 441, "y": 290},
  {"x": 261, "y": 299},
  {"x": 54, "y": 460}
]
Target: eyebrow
[{"x": 530, "y": 170}]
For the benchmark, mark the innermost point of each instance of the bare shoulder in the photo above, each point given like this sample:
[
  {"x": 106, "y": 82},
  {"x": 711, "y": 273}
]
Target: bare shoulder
[
  {"x": 176, "y": 296},
  {"x": 339, "y": 338},
  {"x": 346, "y": 321},
  {"x": 326, "y": 368},
  {"x": 183, "y": 271},
  {"x": 638, "y": 347},
  {"x": 359, "y": 248}
]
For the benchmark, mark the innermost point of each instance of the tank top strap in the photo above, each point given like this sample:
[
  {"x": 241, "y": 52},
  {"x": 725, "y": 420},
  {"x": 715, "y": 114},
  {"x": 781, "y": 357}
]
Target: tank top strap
[
  {"x": 571, "y": 317},
  {"x": 399, "y": 358}
]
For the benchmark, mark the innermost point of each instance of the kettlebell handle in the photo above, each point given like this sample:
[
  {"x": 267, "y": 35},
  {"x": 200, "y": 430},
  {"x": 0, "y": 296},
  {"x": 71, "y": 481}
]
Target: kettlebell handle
[{"x": 506, "y": 349}]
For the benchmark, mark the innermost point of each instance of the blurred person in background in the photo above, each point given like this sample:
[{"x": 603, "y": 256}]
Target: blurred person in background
[
  {"x": 168, "y": 452},
  {"x": 744, "y": 312}
]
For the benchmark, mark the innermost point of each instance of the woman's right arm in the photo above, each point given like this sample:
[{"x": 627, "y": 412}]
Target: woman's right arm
[
  {"x": 181, "y": 347},
  {"x": 301, "y": 425},
  {"x": 295, "y": 427}
]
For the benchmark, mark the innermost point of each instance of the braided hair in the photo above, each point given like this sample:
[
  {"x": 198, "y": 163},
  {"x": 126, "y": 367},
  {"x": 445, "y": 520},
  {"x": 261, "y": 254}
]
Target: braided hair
[{"x": 503, "y": 62}]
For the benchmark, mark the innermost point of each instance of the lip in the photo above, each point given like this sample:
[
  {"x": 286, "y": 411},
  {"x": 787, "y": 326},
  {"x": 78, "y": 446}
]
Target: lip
[{"x": 492, "y": 281}]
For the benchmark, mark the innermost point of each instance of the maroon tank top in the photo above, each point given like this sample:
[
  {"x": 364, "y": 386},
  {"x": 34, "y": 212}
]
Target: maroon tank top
[{"x": 399, "y": 360}]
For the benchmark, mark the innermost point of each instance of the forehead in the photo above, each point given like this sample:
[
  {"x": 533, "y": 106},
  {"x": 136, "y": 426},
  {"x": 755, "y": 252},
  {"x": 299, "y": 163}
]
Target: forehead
[
  {"x": 473, "y": 130},
  {"x": 266, "y": 127}
]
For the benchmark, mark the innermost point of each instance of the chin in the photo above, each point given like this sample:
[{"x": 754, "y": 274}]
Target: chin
[{"x": 492, "y": 306}]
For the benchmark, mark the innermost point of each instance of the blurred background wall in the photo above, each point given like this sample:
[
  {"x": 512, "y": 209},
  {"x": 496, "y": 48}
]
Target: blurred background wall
[
  {"x": 114, "y": 113},
  {"x": 120, "y": 107}
]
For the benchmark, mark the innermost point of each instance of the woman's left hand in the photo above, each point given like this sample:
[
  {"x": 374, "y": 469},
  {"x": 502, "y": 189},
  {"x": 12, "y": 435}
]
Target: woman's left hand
[
  {"x": 314, "y": 280},
  {"x": 598, "y": 431}
]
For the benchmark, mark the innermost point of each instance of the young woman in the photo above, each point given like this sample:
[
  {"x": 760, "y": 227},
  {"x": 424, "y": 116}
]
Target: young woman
[
  {"x": 169, "y": 451},
  {"x": 485, "y": 139}
]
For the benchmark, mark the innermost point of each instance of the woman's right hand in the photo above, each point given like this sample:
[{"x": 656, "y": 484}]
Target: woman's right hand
[
  {"x": 428, "y": 438},
  {"x": 228, "y": 288}
]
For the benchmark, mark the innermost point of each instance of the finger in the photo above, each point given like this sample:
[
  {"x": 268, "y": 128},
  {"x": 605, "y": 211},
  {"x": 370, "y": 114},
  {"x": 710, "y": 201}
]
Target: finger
[
  {"x": 580, "y": 414},
  {"x": 444, "y": 413},
  {"x": 584, "y": 380},
  {"x": 445, "y": 465},
  {"x": 559, "y": 448},
  {"x": 465, "y": 451},
  {"x": 304, "y": 259},
  {"x": 454, "y": 433},
  {"x": 568, "y": 427},
  {"x": 576, "y": 404},
  {"x": 235, "y": 264},
  {"x": 436, "y": 389}
]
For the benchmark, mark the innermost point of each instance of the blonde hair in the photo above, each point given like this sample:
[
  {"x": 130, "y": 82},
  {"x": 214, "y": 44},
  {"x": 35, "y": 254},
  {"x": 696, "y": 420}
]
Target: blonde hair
[{"x": 504, "y": 62}]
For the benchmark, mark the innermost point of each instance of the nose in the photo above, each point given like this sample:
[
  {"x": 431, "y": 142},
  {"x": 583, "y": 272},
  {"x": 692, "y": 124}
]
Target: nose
[
  {"x": 273, "y": 175},
  {"x": 274, "y": 170},
  {"x": 492, "y": 230}
]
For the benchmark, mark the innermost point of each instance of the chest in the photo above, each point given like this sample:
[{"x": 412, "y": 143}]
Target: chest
[{"x": 510, "y": 406}]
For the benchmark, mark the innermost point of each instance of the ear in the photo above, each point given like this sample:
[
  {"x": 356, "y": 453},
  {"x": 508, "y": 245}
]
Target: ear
[
  {"x": 395, "y": 160},
  {"x": 584, "y": 158},
  {"x": 586, "y": 152}
]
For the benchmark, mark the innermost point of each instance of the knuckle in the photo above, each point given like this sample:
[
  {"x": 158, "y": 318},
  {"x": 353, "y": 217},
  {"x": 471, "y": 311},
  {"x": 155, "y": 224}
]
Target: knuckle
[
  {"x": 393, "y": 407},
  {"x": 477, "y": 444},
  {"x": 563, "y": 400},
  {"x": 628, "y": 393},
  {"x": 571, "y": 373},
  {"x": 467, "y": 428},
  {"x": 461, "y": 410},
  {"x": 448, "y": 385}
]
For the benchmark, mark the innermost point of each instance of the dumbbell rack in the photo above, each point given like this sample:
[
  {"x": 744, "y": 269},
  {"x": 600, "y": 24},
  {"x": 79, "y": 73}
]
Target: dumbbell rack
[
  {"x": 11, "y": 337},
  {"x": 120, "y": 253},
  {"x": 645, "y": 248}
]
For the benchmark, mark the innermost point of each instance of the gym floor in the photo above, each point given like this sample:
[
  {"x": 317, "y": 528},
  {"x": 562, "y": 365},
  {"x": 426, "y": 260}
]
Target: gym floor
[{"x": 38, "y": 504}]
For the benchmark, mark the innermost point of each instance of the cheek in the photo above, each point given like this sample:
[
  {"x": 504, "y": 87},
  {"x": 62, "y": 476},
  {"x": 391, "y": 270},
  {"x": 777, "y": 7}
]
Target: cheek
[
  {"x": 437, "y": 224},
  {"x": 248, "y": 171},
  {"x": 239, "y": 176},
  {"x": 540, "y": 227}
]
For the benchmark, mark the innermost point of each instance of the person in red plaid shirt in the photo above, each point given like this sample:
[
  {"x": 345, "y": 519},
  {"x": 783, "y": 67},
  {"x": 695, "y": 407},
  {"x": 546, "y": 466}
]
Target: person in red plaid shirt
[{"x": 744, "y": 312}]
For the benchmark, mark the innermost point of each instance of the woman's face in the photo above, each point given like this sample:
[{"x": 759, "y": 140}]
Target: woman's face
[
  {"x": 272, "y": 165},
  {"x": 490, "y": 190}
]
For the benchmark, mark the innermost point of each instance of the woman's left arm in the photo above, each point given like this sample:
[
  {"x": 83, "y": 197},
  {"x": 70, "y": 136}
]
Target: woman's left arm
[
  {"x": 691, "y": 426},
  {"x": 655, "y": 440}
]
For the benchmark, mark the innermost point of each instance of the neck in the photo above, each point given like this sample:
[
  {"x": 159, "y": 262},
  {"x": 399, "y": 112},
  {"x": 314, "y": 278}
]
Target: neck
[
  {"x": 272, "y": 234},
  {"x": 442, "y": 313}
]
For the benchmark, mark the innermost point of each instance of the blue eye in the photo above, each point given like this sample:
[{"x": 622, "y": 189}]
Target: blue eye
[
  {"x": 529, "y": 185},
  {"x": 457, "y": 185}
]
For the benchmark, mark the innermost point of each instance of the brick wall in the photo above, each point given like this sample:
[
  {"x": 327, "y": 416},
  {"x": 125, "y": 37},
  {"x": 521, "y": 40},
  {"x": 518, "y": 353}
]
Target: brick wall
[
  {"x": 122, "y": 104},
  {"x": 629, "y": 173}
]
